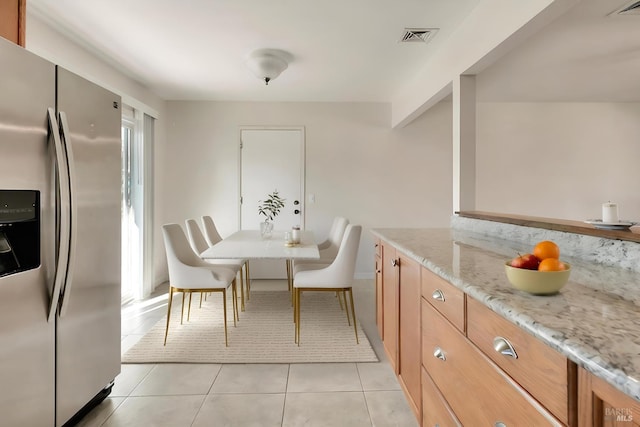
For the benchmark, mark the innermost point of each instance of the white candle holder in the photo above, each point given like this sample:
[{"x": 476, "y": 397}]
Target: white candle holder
[{"x": 610, "y": 213}]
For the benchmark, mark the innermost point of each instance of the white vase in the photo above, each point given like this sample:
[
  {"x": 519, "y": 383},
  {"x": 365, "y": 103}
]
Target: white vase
[{"x": 266, "y": 228}]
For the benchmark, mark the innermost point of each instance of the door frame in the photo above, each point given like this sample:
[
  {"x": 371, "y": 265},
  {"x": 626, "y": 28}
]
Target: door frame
[
  {"x": 303, "y": 176},
  {"x": 128, "y": 122}
]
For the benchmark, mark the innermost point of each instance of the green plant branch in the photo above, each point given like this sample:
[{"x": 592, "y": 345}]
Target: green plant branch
[{"x": 271, "y": 206}]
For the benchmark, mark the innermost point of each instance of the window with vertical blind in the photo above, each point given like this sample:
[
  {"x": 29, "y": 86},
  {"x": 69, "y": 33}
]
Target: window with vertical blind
[{"x": 137, "y": 178}]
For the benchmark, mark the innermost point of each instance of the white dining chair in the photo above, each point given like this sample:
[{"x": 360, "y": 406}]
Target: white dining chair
[
  {"x": 188, "y": 273},
  {"x": 199, "y": 244},
  {"x": 328, "y": 248},
  {"x": 335, "y": 277},
  {"x": 212, "y": 236}
]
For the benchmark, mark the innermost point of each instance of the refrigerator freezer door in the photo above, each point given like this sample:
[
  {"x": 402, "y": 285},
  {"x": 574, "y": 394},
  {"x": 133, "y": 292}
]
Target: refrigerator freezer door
[
  {"x": 88, "y": 325},
  {"x": 27, "y": 363}
]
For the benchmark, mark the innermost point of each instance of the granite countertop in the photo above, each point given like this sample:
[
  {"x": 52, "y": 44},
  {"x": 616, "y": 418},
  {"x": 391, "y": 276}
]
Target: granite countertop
[{"x": 594, "y": 320}]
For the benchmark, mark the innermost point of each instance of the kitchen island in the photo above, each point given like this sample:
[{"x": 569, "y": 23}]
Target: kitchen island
[{"x": 594, "y": 321}]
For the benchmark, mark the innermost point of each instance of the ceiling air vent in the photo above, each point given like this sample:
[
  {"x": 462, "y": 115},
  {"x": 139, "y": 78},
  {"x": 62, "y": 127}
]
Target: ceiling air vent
[
  {"x": 422, "y": 35},
  {"x": 632, "y": 8}
]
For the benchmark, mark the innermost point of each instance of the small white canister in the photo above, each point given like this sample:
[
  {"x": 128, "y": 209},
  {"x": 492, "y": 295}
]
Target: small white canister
[{"x": 295, "y": 234}]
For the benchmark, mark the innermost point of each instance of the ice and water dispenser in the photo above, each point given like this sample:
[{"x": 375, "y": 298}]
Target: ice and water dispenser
[{"x": 19, "y": 231}]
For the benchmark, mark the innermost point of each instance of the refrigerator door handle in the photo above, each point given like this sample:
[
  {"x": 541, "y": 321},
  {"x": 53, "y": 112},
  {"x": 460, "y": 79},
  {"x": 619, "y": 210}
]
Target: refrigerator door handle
[
  {"x": 63, "y": 187},
  {"x": 73, "y": 213}
]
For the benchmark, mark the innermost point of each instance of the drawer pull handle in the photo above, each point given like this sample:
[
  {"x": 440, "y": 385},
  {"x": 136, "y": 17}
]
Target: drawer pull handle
[
  {"x": 438, "y": 295},
  {"x": 500, "y": 424},
  {"x": 503, "y": 346},
  {"x": 438, "y": 353}
]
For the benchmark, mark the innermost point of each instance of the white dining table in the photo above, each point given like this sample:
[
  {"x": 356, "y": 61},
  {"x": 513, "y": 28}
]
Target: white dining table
[{"x": 249, "y": 244}]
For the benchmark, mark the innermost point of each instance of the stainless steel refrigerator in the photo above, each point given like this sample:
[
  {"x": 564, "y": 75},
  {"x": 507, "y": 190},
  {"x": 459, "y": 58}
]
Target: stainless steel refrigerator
[{"x": 60, "y": 215}]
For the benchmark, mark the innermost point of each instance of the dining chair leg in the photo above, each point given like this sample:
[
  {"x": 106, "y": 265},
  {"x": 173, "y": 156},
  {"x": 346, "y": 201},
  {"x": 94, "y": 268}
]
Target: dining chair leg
[
  {"x": 344, "y": 296},
  {"x": 289, "y": 281},
  {"x": 248, "y": 279},
  {"x": 298, "y": 292},
  {"x": 224, "y": 312},
  {"x": 353, "y": 311},
  {"x": 234, "y": 292},
  {"x": 295, "y": 315},
  {"x": 241, "y": 289},
  {"x": 287, "y": 264},
  {"x": 189, "y": 309},
  {"x": 202, "y": 295},
  {"x": 295, "y": 304},
  {"x": 182, "y": 311},
  {"x": 340, "y": 300},
  {"x": 166, "y": 332}
]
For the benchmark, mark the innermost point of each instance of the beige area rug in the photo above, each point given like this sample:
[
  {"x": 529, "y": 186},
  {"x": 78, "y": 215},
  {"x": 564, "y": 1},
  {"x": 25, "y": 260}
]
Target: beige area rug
[{"x": 264, "y": 333}]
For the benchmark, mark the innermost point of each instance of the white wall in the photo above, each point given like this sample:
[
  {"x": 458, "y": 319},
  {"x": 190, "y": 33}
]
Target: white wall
[
  {"x": 50, "y": 44},
  {"x": 356, "y": 165},
  {"x": 493, "y": 28},
  {"x": 558, "y": 160}
]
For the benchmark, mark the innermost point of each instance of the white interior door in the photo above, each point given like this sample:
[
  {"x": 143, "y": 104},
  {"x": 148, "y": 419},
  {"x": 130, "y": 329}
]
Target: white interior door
[{"x": 271, "y": 159}]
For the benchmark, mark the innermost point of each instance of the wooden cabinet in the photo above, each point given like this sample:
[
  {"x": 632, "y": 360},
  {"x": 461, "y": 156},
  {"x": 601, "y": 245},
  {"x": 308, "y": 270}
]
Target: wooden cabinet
[
  {"x": 474, "y": 366},
  {"x": 543, "y": 372},
  {"x": 409, "y": 371},
  {"x": 379, "y": 299},
  {"x": 390, "y": 304},
  {"x": 400, "y": 330},
  {"x": 601, "y": 405},
  {"x": 476, "y": 389},
  {"x": 12, "y": 20}
]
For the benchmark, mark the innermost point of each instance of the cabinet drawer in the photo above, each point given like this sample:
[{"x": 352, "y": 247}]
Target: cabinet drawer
[
  {"x": 478, "y": 392},
  {"x": 538, "y": 368},
  {"x": 435, "y": 410},
  {"x": 445, "y": 297}
]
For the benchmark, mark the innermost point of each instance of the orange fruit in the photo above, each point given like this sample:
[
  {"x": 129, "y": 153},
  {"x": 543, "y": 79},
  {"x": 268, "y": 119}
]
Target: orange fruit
[
  {"x": 546, "y": 249},
  {"x": 551, "y": 264}
]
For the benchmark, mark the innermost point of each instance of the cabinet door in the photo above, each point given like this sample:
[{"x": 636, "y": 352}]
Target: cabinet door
[
  {"x": 12, "y": 20},
  {"x": 601, "y": 405},
  {"x": 390, "y": 302},
  {"x": 410, "y": 349},
  {"x": 379, "y": 300}
]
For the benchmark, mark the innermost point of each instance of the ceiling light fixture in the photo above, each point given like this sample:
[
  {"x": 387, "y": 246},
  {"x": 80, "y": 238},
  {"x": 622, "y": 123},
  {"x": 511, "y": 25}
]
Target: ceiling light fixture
[{"x": 267, "y": 64}]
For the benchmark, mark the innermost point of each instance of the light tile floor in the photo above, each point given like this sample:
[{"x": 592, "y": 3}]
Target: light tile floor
[{"x": 261, "y": 395}]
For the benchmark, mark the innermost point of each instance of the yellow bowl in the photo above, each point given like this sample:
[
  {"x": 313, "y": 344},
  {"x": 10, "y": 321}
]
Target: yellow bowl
[{"x": 537, "y": 282}]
